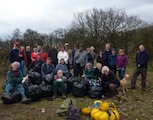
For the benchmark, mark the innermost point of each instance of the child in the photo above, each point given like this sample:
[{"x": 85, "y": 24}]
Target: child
[
  {"x": 121, "y": 63},
  {"x": 59, "y": 83}
]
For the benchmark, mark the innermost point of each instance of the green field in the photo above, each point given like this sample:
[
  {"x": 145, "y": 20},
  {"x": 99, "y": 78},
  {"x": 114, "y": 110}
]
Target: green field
[{"x": 133, "y": 105}]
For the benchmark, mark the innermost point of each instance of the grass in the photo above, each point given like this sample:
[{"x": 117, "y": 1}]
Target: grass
[{"x": 134, "y": 105}]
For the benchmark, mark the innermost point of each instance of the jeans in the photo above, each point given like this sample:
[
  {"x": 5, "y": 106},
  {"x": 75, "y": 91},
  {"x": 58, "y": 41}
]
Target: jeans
[
  {"x": 23, "y": 68},
  {"x": 121, "y": 73},
  {"x": 18, "y": 87},
  {"x": 113, "y": 68},
  {"x": 137, "y": 72},
  {"x": 59, "y": 85}
]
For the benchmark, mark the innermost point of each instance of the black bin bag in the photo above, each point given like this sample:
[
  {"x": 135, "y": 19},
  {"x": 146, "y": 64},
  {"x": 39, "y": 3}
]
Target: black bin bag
[
  {"x": 94, "y": 89},
  {"x": 79, "y": 89},
  {"x": 32, "y": 91},
  {"x": 35, "y": 78},
  {"x": 46, "y": 90}
]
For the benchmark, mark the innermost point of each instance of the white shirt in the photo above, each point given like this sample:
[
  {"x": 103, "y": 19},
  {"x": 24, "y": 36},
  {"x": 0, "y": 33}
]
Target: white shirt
[{"x": 63, "y": 55}]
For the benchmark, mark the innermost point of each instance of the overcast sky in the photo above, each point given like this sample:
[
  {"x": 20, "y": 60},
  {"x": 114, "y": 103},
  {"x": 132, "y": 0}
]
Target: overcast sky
[{"x": 45, "y": 16}]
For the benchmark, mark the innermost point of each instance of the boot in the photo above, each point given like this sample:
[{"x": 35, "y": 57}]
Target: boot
[
  {"x": 54, "y": 96},
  {"x": 6, "y": 99},
  {"x": 63, "y": 96},
  {"x": 25, "y": 101}
]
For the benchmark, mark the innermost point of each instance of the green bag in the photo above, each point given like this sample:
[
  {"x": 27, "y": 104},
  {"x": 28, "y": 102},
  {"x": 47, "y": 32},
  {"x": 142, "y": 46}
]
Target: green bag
[{"x": 65, "y": 106}]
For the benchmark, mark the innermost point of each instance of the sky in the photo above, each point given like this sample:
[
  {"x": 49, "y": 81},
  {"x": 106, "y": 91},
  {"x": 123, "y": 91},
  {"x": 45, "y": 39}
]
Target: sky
[{"x": 45, "y": 16}]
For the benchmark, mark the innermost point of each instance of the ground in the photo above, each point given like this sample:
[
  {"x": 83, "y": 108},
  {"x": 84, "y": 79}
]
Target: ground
[{"x": 133, "y": 105}]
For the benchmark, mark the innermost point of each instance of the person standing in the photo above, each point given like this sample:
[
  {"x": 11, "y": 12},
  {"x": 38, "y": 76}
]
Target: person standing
[
  {"x": 121, "y": 63},
  {"x": 52, "y": 53},
  {"x": 80, "y": 61},
  {"x": 92, "y": 48},
  {"x": 43, "y": 55},
  {"x": 141, "y": 68},
  {"x": 62, "y": 54},
  {"x": 14, "y": 54},
  {"x": 112, "y": 61},
  {"x": 28, "y": 54},
  {"x": 101, "y": 58},
  {"x": 107, "y": 52},
  {"x": 89, "y": 57},
  {"x": 34, "y": 54},
  {"x": 69, "y": 51},
  {"x": 23, "y": 60}
]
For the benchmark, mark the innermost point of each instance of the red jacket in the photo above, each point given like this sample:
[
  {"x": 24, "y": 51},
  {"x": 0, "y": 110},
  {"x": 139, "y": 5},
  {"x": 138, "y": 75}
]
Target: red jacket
[
  {"x": 34, "y": 56},
  {"x": 44, "y": 56}
]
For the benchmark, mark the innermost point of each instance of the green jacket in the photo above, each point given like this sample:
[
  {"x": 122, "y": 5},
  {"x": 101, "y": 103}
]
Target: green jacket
[
  {"x": 11, "y": 78},
  {"x": 89, "y": 73}
]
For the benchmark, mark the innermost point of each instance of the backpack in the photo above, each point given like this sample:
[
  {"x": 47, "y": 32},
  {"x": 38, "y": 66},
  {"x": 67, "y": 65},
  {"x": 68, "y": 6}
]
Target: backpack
[
  {"x": 72, "y": 112},
  {"x": 65, "y": 106}
]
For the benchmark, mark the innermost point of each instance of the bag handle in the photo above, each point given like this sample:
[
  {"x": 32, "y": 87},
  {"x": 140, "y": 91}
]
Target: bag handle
[{"x": 113, "y": 106}]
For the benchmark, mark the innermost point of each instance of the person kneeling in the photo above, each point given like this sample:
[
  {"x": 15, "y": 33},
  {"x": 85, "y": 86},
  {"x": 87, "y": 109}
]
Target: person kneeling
[
  {"x": 14, "y": 80},
  {"x": 59, "y": 84},
  {"x": 109, "y": 82}
]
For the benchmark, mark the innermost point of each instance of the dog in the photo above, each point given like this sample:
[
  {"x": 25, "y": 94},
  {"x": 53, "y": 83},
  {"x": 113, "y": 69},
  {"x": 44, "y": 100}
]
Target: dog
[{"x": 124, "y": 83}]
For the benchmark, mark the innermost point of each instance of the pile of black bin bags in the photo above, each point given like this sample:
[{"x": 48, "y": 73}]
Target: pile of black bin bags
[
  {"x": 36, "y": 88},
  {"x": 85, "y": 86}
]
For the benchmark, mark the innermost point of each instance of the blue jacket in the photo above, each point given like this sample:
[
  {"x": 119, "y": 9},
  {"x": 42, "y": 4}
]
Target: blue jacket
[
  {"x": 112, "y": 60},
  {"x": 13, "y": 56},
  {"x": 47, "y": 69},
  {"x": 62, "y": 67},
  {"x": 89, "y": 58},
  {"x": 142, "y": 59},
  {"x": 14, "y": 78}
]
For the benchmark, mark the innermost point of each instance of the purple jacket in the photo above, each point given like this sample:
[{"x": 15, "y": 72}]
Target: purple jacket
[{"x": 121, "y": 61}]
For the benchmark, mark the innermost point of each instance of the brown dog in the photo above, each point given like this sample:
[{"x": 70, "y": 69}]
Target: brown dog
[{"x": 124, "y": 83}]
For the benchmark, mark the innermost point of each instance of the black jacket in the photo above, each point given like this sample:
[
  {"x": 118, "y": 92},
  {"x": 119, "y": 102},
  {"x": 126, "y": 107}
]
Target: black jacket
[
  {"x": 52, "y": 53},
  {"x": 97, "y": 73},
  {"x": 142, "y": 59},
  {"x": 111, "y": 78}
]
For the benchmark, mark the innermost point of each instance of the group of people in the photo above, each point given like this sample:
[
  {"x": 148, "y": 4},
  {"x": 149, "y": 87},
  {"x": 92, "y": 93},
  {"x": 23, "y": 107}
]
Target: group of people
[{"x": 63, "y": 62}]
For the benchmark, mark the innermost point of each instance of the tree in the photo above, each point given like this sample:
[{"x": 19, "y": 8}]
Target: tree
[
  {"x": 98, "y": 26},
  {"x": 16, "y": 35}
]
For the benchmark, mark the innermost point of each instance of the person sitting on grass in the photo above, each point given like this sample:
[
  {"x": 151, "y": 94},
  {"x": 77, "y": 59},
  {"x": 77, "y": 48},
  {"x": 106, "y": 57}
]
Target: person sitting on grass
[
  {"x": 88, "y": 71},
  {"x": 35, "y": 66},
  {"x": 62, "y": 66},
  {"x": 109, "y": 82},
  {"x": 59, "y": 83},
  {"x": 47, "y": 68},
  {"x": 14, "y": 80}
]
